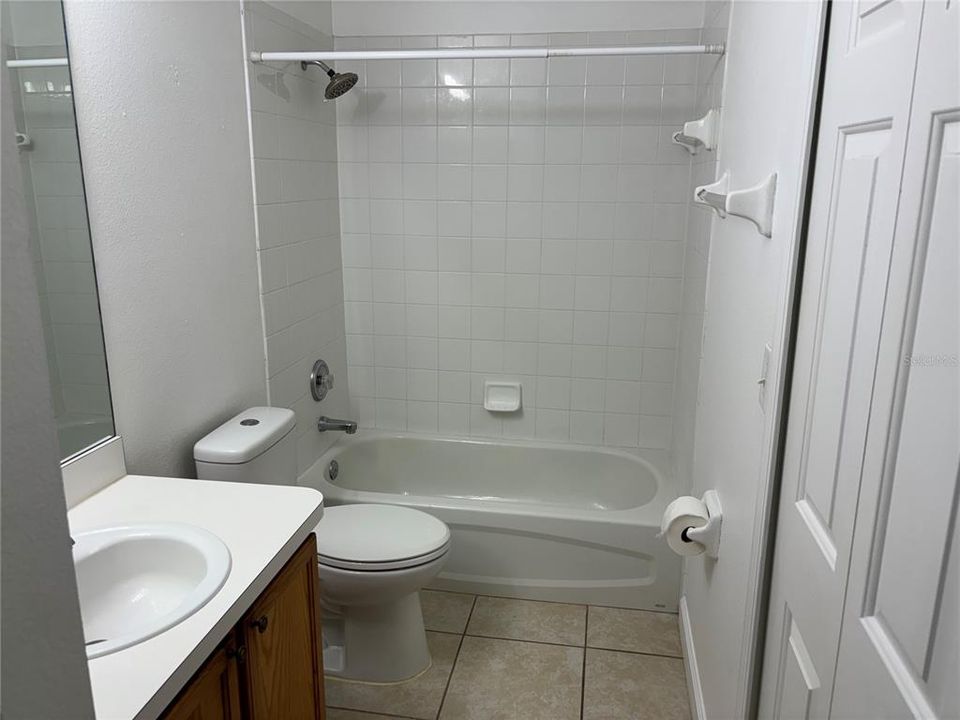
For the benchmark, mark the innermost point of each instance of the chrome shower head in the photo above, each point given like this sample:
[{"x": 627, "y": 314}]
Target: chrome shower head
[{"x": 339, "y": 84}]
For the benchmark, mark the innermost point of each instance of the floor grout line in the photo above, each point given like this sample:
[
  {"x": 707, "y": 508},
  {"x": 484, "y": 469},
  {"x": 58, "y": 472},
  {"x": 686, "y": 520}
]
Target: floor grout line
[
  {"x": 554, "y": 602},
  {"x": 583, "y": 668},
  {"x": 456, "y": 657}
]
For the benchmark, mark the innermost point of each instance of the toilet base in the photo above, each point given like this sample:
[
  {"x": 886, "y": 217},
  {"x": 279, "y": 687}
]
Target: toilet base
[{"x": 377, "y": 643}]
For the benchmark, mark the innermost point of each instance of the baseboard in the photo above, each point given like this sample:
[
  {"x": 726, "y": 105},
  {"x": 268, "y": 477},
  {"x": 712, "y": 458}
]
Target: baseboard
[{"x": 694, "y": 688}]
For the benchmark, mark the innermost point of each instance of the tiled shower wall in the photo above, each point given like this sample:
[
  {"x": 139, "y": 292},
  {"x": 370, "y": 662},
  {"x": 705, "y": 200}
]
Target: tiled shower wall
[
  {"x": 298, "y": 230},
  {"x": 519, "y": 219},
  {"x": 696, "y": 254}
]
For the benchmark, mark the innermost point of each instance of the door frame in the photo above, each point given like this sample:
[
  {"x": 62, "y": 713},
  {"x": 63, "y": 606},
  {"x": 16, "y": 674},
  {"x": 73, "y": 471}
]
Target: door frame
[{"x": 781, "y": 395}]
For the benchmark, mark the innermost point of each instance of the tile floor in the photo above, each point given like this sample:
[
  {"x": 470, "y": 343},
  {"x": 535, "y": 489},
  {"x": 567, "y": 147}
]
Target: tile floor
[{"x": 502, "y": 659}]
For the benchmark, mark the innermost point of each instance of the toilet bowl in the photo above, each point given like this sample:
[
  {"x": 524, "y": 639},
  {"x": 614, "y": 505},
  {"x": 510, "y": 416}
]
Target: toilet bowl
[{"x": 373, "y": 560}]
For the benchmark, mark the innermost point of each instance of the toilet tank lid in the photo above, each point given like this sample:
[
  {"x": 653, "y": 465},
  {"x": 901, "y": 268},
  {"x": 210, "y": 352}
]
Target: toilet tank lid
[{"x": 245, "y": 436}]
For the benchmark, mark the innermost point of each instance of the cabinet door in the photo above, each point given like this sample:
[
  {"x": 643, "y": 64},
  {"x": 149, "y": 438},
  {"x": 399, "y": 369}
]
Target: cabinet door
[
  {"x": 284, "y": 666},
  {"x": 214, "y": 692}
]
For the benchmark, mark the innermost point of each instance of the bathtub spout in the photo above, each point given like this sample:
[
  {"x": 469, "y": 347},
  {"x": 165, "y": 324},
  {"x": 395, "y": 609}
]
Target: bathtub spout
[{"x": 325, "y": 423}]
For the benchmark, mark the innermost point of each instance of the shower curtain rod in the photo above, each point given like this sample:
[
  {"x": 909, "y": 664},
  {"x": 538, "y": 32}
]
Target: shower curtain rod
[
  {"x": 480, "y": 53},
  {"x": 38, "y": 62}
]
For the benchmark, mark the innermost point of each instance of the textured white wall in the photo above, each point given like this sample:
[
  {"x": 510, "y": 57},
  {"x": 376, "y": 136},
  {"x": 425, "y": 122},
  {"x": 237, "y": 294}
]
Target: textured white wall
[
  {"x": 419, "y": 17},
  {"x": 44, "y": 662},
  {"x": 160, "y": 97}
]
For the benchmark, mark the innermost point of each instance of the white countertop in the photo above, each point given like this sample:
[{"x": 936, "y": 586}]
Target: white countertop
[{"x": 262, "y": 525}]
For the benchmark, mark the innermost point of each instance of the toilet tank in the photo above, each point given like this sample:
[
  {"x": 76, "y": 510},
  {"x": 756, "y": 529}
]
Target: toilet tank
[{"x": 256, "y": 446}]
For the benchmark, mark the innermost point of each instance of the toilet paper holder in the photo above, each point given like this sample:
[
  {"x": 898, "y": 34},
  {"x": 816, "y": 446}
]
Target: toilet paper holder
[{"x": 709, "y": 534}]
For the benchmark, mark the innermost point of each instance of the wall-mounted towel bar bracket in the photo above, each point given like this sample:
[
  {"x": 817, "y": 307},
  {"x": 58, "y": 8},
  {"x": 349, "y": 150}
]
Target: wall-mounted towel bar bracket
[
  {"x": 700, "y": 133},
  {"x": 754, "y": 203}
]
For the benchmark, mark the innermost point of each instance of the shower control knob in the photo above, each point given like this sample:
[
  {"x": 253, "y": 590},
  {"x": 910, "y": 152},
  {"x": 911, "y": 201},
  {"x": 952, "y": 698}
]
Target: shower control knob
[{"x": 321, "y": 380}]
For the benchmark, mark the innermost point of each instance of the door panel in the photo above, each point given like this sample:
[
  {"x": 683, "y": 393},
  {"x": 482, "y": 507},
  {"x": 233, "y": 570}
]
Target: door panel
[
  {"x": 864, "y": 118},
  {"x": 898, "y": 653}
]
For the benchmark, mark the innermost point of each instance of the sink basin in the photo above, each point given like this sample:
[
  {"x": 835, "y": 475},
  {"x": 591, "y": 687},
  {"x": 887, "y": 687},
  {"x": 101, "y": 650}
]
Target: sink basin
[{"x": 135, "y": 581}]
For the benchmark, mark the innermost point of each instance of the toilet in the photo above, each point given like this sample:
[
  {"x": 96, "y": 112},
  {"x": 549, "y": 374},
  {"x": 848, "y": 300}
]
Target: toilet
[{"x": 372, "y": 559}]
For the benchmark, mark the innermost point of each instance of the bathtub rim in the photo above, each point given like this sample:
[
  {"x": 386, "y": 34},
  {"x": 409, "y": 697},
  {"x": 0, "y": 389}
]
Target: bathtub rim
[{"x": 646, "y": 514}]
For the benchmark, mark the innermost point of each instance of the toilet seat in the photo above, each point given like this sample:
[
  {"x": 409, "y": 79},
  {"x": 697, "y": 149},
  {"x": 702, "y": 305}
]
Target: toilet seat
[{"x": 379, "y": 538}]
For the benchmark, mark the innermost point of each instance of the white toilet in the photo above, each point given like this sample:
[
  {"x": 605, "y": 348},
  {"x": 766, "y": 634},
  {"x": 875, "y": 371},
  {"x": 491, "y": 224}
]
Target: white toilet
[{"x": 373, "y": 559}]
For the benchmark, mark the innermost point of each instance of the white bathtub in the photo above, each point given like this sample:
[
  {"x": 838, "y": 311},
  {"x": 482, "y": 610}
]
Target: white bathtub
[{"x": 529, "y": 520}]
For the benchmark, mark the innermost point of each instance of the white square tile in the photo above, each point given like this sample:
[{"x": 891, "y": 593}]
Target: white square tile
[
  {"x": 386, "y": 180},
  {"x": 622, "y": 396},
  {"x": 454, "y": 106},
  {"x": 453, "y": 252},
  {"x": 563, "y": 144},
  {"x": 528, "y": 105},
  {"x": 386, "y": 216},
  {"x": 420, "y": 144},
  {"x": 491, "y": 71},
  {"x": 383, "y": 73},
  {"x": 521, "y": 324},
  {"x": 454, "y": 182},
  {"x": 525, "y": 183},
  {"x": 586, "y": 428},
  {"x": 524, "y": 219},
  {"x": 453, "y": 419},
  {"x": 418, "y": 73},
  {"x": 590, "y": 328},
  {"x": 557, "y": 292},
  {"x": 592, "y": 293},
  {"x": 594, "y": 257},
  {"x": 419, "y": 181},
  {"x": 387, "y": 251},
  {"x": 388, "y": 286},
  {"x": 659, "y": 365},
  {"x": 453, "y": 322},
  {"x": 419, "y": 106},
  {"x": 655, "y": 432},
  {"x": 521, "y": 291},
  {"x": 640, "y": 143},
  {"x": 488, "y": 289},
  {"x": 602, "y": 105},
  {"x": 454, "y": 144},
  {"x": 384, "y": 106},
  {"x": 554, "y": 359},
  {"x": 526, "y": 144},
  {"x": 490, "y": 144},
  {"x": 391, "y": 383},
  {"x": 488, "y": 254},
  {"x": 486, "y": 323},
  {"x": 567, "y": 71},
  {"x": 520, "y": 357},
  {"x": 624, "y": 363},
  {"x": 664, "y": 295},
  {"x": 522, "y": 255},
  {"x": 587, "y": 394},
  {"x": 421, "y": 287},
  {"x": 420, "y": 217},
  {"x": 453, "y": 219},
  {"x": 491, "y": 105},
  {"x": 626, "y": 329},
  {"x": 453, "y": 354},
  {"x": 489, "y": 182},
  {"x": 483, "y": 423},
  {"x": 601, "y": 144},
  {"x": 389, "y": 318},
  {"x": 385, "y": 143},
  {"x": 453, "y": 386},
  {"x": 553, "y": 392},
  {"x": 422, "y": 417},
  {"x": 656, "y": 398},
  {"x": 641, "y": 105},
  {"x": 391, "y": 414},
  {"x": 421, "y": 354},
  {"x": 454, "y": 288},
  {"x": 561, "y": 183},
  {"x": 553, "y": 424},
  {"x": 605, "y": 70},
  {"x": 589, "y": 361},
  {"x": 661, "y": 331},
  {"x": 621, "y": 430},
  {"x": 628, "y": 294},
  {"x": 422, "y": 320},
  {"x": 421, "y": 385},
  {"x": 486, "y": 355},
  {"x": 565, "y": 106},
  {"x": 528, "y": 71},
  {"x": 560, "y": 220},
  {"x": 489, "y": 219},
  {"x": 599, "y": 183},
  {"x": 556, "y": 326},
  {"x": 455, "y": 72}
]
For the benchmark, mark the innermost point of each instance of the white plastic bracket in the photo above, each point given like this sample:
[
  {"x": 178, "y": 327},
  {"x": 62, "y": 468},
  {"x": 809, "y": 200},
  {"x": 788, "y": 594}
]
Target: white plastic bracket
[
  {"x": 709, "y": 534},
  {"x": 755, "y": 203},
  {"x": 700, "y": 133}
]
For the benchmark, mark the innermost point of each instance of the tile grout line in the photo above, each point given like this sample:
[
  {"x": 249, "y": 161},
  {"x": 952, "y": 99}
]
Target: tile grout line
[
  {"x": 558, "y": 644},
  {"x": 556, "y": 602},
  {"x": 583, "y": 667},
  {"x": 456, "y": 657}
]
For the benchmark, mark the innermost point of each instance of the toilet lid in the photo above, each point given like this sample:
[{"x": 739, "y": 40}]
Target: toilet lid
[{"x": 378, "y": 535}]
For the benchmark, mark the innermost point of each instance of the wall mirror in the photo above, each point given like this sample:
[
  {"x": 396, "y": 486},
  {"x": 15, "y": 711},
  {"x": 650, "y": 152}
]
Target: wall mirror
[{"x": 35, "y": 55}]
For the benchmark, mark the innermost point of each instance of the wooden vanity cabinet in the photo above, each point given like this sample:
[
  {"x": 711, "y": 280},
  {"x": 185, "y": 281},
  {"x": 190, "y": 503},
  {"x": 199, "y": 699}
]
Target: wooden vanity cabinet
[{"x": 270, "y": 666}]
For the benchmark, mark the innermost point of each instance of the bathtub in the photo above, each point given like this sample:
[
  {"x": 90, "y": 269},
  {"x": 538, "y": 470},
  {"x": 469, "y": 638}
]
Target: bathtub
[{"x": 528, "y": 520}]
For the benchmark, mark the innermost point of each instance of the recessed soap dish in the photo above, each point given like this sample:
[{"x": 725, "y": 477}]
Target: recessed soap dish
[{"x": 501, "y": 396}]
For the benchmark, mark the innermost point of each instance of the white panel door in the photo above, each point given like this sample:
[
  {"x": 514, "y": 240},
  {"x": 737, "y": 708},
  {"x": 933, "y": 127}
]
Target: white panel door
[
  {"x": 899, "y": 641},
  {"x": 867, "y": 89}
]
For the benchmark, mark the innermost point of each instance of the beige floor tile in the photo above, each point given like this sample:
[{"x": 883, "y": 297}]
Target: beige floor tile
[
  {"x": 445, "y": 611},
  {"x": 635, "y": 630},
  {"x": 416, "y": 698},
  {"x": 339, "y": 714},
  {"x": 620, "y": 685},
  {"x": 509, "y": 680},
  {"x": 528, "y": 620}
]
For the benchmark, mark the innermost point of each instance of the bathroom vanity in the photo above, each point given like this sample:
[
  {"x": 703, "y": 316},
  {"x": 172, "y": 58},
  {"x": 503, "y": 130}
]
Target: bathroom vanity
[
  {"x": 253, "y": 650},
  {"x": 270, "y": 664}
]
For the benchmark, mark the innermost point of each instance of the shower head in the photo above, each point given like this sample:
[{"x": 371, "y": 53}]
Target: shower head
[{"x": 339, "y": 82}]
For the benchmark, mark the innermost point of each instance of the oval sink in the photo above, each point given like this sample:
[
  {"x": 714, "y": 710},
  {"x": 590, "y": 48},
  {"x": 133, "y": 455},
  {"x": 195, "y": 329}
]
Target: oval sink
[{"x": 135, "y": 581}]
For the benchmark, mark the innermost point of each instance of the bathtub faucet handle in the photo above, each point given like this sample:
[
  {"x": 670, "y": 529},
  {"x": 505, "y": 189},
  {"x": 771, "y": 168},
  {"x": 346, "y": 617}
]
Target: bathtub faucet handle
[{"x": 325, "y": 423}]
